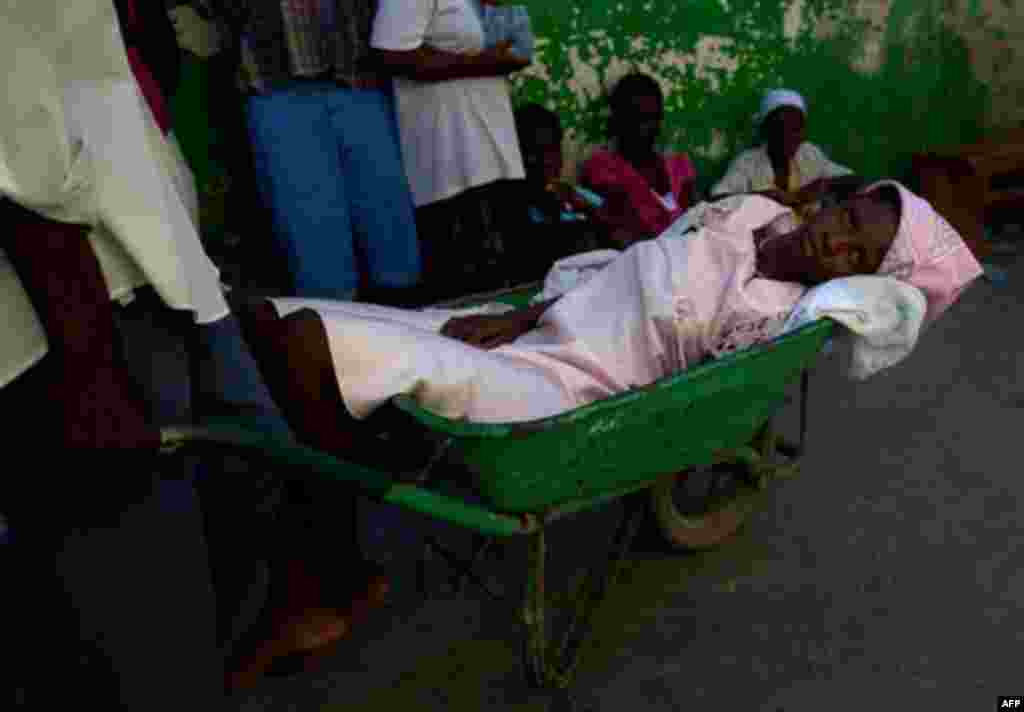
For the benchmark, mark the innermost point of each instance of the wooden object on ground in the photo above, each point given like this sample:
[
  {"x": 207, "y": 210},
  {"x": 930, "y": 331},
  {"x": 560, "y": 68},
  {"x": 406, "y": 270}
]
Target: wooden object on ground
[{"x": 967, "y": 183}]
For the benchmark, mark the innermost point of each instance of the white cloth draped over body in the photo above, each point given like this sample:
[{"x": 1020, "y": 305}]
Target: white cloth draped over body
[{"x": 79, "y": 144}]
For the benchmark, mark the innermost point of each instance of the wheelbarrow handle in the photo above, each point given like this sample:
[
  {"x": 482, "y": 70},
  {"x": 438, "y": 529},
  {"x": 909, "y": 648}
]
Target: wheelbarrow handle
[{"x": 245, "y": 434}]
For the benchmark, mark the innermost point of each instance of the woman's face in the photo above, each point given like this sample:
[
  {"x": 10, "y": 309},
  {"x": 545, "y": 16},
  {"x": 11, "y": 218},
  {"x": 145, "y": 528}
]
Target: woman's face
[
  {"x": 785, "y": 129},
  {"x": 852, "y": 237},
  {"x": 840, "y": 241},
  {"x": 637, "y": 122}
]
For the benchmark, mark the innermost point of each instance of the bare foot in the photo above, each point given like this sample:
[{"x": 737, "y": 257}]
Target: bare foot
[
  {"x": 305, "y": 631},
  {"x": 298, "y": 634}
]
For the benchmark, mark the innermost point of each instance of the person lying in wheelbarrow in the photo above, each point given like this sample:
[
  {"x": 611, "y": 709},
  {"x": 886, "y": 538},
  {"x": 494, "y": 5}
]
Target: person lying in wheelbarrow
[{"x": 656, "y": 309}]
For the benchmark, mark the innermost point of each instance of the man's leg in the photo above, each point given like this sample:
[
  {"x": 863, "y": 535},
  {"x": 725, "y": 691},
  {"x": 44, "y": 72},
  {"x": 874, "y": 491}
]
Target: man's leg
[
  {"x": 112, "y": 553},
  {"x": 376, "y": 187},
  {"x": 296, "y": 153},
  {"x": 295, "y": 356}
]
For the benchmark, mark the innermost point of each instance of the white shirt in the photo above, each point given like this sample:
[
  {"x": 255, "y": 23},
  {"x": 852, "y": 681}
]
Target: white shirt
[
  {"x": 455, "y": 134},
  {"x": 78, "y": 144},
  {"x": 752, "y": 171}
]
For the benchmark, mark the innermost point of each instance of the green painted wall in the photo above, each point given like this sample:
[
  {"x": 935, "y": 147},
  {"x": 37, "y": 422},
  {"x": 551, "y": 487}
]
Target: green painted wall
[{"x": 884, "y": 83}]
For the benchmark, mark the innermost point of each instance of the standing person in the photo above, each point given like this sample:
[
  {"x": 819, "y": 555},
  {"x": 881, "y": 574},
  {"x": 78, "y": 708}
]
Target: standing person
[
  {"x": 458, "y": 135},
  {"x": 786, "y": 167},
  {"x": 114, "y": 318},
  {"x": 322, "y": 124},
  {"x": 644, "y": 189}
]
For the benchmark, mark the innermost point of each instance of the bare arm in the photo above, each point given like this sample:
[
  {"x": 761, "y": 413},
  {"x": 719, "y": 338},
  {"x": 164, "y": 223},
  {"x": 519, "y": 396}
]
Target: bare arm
[
  {"x": 491, "y": 331},
  {"x": 62, "y": 277},
  {"x": 91, "y": 396},
  {"x": 427, "y": 64}
]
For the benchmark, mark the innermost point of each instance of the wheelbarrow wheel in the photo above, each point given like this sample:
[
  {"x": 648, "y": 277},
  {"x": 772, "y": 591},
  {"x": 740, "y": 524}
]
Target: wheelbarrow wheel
[{"x": 698, "y": 530}]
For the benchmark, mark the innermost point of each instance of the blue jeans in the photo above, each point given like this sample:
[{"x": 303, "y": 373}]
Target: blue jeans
[{"x": 329, "y": 165}]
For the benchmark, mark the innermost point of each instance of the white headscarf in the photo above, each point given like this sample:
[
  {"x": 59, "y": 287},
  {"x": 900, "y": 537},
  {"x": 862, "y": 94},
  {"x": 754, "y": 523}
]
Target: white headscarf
[{"x": 776, "y": 99}]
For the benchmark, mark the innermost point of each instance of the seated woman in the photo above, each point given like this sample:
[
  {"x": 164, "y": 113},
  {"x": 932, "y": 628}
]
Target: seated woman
[
  {"x": 658, "y": 308},
  {"x": 644, "y": 190},
  {"x": 554, "y": 220},
  {"x": 786, "y": 167}
]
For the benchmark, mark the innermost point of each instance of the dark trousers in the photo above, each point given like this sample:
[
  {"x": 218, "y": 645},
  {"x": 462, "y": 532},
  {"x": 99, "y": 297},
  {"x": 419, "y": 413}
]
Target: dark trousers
[
  {"x": 463, "y": 242},
  {"x": 112, "y": 597}
]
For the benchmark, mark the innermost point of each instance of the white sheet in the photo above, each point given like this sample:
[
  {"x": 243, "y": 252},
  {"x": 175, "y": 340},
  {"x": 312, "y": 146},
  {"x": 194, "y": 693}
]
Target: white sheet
[{"x": 882, "y": 315}]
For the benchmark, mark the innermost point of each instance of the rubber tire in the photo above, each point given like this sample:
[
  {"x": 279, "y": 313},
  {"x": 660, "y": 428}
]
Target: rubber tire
[{"x": 691, "y": 533}]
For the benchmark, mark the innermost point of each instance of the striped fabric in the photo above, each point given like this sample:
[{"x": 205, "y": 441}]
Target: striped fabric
[{"x": 281, "y": 40}]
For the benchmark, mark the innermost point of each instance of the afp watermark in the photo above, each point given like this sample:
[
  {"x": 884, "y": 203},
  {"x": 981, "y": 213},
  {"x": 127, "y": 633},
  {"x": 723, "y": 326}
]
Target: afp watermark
[{"x": 1011, "y": 703}]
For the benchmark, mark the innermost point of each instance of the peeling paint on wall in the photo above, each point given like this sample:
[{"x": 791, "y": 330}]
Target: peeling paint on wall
[{"x": 884, "y": 78}]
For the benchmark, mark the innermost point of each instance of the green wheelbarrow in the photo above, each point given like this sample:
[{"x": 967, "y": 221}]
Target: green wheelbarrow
[{"x": 638, "y": 445}]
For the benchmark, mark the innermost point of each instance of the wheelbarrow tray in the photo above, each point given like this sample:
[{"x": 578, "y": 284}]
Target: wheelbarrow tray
[{"x": 623, "y": 442}]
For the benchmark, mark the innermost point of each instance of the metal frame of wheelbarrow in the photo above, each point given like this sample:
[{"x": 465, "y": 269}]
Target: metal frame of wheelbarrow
[{"x": 549, "y": 663}]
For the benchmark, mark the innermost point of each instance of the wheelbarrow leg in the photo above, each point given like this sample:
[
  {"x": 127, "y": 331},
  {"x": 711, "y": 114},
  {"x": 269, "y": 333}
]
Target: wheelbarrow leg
[
  {"x": 536, "y": 640},
  {"x": 595, "y": 589},
  {"x": 547, "y": 665},
  {"x": 794, "y": 451}
]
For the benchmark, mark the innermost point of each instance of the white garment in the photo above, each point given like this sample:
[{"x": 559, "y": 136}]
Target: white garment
[
  {"x": 884, "y": 317},
  {"x": 381, "y": 351},
  {"x": 455, "y": 134},
  {"x": 79, "y": 144},
  {"x": 752, "y": 171}
]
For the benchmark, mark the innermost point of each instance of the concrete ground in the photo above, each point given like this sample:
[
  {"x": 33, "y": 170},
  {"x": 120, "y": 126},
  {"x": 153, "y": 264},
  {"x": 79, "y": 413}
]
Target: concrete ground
[{"x": 887, "y": 576}]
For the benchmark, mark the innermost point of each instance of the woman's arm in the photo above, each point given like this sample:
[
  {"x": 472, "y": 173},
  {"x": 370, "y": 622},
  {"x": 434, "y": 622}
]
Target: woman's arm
[
  {"x": 91, "y": 397},
  {"x": 400, "y": 43},
  {"x": 491, "y": 331},
  {"x": 427, "y": 64}
]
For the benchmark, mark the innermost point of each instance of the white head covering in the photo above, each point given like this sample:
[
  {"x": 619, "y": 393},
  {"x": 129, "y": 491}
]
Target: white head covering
[{"x": 776, "y": 99}]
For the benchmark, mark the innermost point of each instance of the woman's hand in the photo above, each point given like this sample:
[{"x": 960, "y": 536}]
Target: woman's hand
[
  {"x": 566, "y": 195},
  {"x": 502, "y": 60},
  {"x": 488, "y": 331}
]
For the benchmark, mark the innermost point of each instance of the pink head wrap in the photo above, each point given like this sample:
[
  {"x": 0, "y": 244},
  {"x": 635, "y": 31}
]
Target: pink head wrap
[{"x": 927, "y": 253}]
